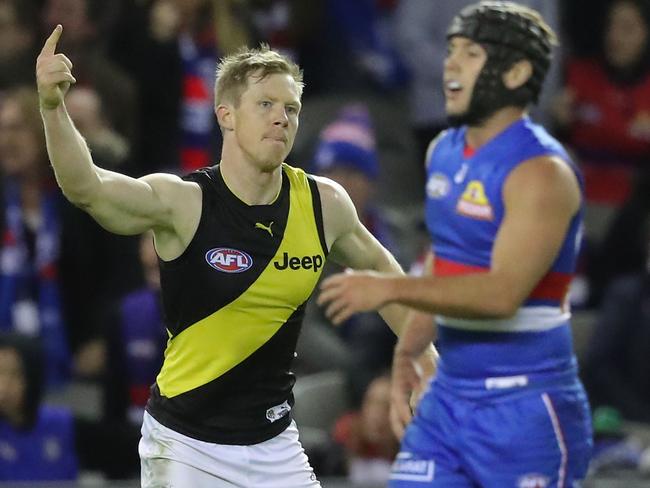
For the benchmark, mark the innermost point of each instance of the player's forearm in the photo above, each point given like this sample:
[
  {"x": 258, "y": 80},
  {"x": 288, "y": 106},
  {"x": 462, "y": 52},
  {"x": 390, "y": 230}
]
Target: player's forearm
[
  {"x": 479, "y": 295},
  {"x": 416, "y": 341},
  {"x": 70, "y": 156},
  {"x": 395, "y": 315}
]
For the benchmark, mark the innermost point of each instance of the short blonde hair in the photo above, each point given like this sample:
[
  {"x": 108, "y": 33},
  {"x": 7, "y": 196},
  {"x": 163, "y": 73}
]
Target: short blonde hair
[{"x": 234, "y": 70}]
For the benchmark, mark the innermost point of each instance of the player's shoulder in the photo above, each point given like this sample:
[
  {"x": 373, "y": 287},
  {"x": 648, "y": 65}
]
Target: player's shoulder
[
  {"x": 168, "y": 184},
  {"x": 331, "y": 192},
  {"x": 547, "y": 177},
  {"x": 434, "y": 143}
]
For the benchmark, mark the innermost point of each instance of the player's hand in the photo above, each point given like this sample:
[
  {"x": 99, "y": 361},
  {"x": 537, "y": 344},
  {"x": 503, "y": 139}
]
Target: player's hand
[
  {"x": 352, "y": 292},
  {"x": 53, "y": 72},
  {"x": 406, "y": 381}
]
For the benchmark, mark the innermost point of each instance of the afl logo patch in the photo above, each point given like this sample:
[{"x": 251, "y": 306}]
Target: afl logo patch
[
  {"x": 438, "y": 186},
  {"x": 228, "y": 260}
]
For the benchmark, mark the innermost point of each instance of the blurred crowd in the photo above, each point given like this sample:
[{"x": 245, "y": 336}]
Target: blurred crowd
[{"x": 78, "y": 304}]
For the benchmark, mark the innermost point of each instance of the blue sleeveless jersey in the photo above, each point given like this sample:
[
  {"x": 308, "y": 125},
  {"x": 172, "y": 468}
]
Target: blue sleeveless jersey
[{"x": 464, "y": 210}]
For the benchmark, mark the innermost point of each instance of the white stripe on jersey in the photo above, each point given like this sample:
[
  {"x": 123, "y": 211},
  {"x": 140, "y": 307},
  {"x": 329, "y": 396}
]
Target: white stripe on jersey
[{"x": 526, "y": 319}]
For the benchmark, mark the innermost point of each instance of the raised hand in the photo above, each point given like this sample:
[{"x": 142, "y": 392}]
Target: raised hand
[{"x": 53, "y": 72}]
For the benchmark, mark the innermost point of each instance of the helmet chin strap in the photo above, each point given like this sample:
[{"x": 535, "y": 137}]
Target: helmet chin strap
[{"x": 489, "y": 93}]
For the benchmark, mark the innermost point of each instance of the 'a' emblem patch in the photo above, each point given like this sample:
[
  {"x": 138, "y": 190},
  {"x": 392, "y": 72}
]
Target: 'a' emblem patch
[{"x": 474, "y": 203}]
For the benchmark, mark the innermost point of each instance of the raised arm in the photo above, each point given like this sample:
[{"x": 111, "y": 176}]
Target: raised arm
[{"x": 121, "y": 204}]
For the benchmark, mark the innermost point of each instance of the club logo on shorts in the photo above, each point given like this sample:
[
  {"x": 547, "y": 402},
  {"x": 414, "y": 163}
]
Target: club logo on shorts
[
  {"x": 408, "y": 467},
  {"x": 277, "y": 412},
  {"x": 228, "y": 260},
  {"x": 533, "y": 480}
]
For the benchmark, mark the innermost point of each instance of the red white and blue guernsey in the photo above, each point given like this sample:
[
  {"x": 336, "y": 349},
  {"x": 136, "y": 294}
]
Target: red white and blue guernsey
[
  {"x": 464, "y": 211},
  {"x": 506, "y": 407}
]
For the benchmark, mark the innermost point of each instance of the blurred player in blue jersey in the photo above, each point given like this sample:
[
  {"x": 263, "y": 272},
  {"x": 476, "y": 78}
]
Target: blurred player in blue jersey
[{"x": 504, "y": 209}]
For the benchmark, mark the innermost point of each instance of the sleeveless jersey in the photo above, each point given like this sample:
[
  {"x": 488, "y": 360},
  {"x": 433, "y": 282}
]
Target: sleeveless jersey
[
  {"x": 233, "y": 305},
  {"x": 464, "y": 210}
]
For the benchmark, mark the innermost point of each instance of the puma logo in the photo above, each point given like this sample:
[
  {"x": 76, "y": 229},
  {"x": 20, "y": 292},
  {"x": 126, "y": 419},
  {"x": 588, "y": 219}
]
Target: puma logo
[{"x": 259, "y": 225}]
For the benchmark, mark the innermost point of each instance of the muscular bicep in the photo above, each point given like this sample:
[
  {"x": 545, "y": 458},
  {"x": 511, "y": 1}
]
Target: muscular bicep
[
  {"x": 350, "y": 243},
  {"x": 126, "y": 205},
  {"x": 540, "y": 197},
  {"x": 359, "y": 249}
]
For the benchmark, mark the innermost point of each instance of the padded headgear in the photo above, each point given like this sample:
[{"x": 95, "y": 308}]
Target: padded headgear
[{"x": 509, "y": 33}]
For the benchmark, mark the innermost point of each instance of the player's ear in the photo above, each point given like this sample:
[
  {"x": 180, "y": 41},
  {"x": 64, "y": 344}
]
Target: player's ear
[
  {"x": 225, "y": 116},
  {"x": 518, "y": 74}
]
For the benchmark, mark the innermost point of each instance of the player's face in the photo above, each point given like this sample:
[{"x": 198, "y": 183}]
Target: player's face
[
  {"x": 463, "y": 63},
  {"x": 12, "y": 383},
  {"x": 266, "y": 120}
]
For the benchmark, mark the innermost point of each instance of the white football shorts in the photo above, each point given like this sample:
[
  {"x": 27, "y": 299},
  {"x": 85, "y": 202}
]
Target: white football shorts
[{"x": 172, "y": 460}]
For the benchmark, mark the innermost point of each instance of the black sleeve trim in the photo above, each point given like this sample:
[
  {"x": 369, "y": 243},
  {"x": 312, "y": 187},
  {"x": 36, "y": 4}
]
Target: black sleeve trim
[{"x": 318, "y": 212}]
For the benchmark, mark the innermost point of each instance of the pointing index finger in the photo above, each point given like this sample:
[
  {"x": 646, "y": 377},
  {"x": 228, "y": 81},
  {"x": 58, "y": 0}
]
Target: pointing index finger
[{"x": 50, "y": 44}]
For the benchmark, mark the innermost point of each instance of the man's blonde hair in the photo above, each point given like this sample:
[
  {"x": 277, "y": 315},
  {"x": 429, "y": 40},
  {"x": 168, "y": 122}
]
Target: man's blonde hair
[{"x": 234, "y": 71}]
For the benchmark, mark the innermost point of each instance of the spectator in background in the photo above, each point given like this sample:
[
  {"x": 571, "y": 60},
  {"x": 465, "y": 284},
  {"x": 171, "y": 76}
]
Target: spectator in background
[
  {"x": 57, "y": 268},
  {"x": 44, "y": 443},
  {"x": 30, "y": 220},
  {"x": 85, "y": 26},
  {"x": 346, "y": 153},
  {"x": 18, "y": 36},
  {"x": 37, "y": 443},
  {"x": 137, "y": 342},
  {"x": 604, "y": 109},
  {"x": 369, "y": 445},
  {"x": 616, "y": 370},
  {"x": 170, "y": 47},
  {"x": 108, "y": 146},
  {"x": 623, "y": 249}
]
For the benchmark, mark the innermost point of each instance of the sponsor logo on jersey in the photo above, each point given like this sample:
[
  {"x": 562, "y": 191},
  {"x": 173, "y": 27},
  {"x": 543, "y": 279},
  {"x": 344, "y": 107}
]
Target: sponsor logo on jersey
[
  {"x": 533, "y": 480},
  {"x": 438, "y": 186},
  {"x": 277, "y": 412},
  {"x": 267, "y": 228},
  {"x": 408, "y": 467},
  {"x": 474, "y": 203},
  {"x": 294, "y": 262},
  {"x": 228, "y": 260}
]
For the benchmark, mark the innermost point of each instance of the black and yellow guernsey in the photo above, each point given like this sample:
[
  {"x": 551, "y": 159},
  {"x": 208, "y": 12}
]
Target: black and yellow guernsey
[{"x": 233, "y": 305}]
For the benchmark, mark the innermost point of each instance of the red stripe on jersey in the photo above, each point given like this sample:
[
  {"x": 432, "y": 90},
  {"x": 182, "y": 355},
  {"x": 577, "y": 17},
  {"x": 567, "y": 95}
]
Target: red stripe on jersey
[
  {"x": 443, "y": 267},
  {"x": 553, "y": 286}
]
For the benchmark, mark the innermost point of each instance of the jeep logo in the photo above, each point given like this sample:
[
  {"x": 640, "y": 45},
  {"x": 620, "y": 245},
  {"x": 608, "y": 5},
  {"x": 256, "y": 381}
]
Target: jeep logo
[{"x": 305, "y": 262}]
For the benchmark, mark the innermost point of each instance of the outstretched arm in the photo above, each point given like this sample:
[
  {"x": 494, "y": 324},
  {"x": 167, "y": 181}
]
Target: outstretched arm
[{"x": 119, "y": 203}]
